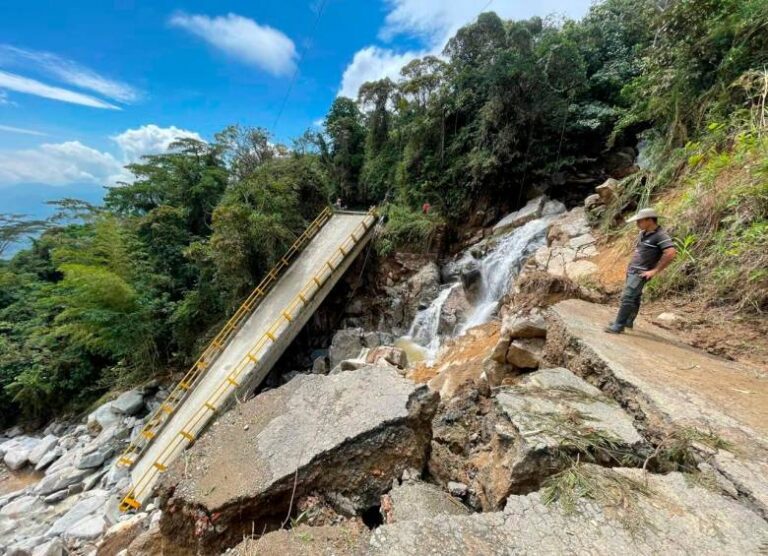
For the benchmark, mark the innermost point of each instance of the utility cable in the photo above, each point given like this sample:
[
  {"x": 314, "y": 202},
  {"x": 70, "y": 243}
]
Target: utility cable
[{"x": 296, "y": 69}]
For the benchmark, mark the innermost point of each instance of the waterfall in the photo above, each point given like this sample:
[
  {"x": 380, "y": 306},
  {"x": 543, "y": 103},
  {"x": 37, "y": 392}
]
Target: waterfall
[
  {"x": 425, "y": 326},
  {"x": 497, "y": 269},
  {"x": 501, "y": 265}
]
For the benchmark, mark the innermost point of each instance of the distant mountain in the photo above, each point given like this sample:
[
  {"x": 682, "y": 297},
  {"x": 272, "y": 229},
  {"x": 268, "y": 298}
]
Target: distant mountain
[{"x": 30, "y": 200}]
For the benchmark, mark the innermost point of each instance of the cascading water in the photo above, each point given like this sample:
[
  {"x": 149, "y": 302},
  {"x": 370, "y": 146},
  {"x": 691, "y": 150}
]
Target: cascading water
[
  {"x": 497, "y": 269},
  {"x": 502, "y": 264},
  {"x": 426, "y": 324}
]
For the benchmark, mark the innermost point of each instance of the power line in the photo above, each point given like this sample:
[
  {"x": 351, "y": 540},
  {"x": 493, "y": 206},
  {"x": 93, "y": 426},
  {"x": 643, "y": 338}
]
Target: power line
[{"x": 296, "y": 69}]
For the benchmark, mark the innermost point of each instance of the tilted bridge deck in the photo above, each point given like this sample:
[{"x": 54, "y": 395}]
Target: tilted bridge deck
[{"x": 254, "y": 342}]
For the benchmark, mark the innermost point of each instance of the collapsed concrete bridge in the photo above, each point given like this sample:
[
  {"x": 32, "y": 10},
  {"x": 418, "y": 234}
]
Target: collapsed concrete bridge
[{"x": 251, "y": 342}]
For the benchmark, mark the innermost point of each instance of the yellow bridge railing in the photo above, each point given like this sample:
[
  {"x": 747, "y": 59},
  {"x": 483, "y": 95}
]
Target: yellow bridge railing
[
  {"x": 198, "y": 420},
  {"x": 217, "y": 345}
]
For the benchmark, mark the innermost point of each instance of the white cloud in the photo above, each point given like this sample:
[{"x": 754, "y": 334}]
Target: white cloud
[
  {"x": 22, "y": 84},
  {"x": 68, "y": 71},
  {"x": 149, "y": 139},
  {"x": 4, "y": 99},
  {"x": 23, "y": 131},
  {"x": 243, "y": 39},
  {"x": 372, "y": 63},
  {"x": 433, "y": 23},
  {"x": 59, "y": 164},
  {"x": 73, "y": 162}
]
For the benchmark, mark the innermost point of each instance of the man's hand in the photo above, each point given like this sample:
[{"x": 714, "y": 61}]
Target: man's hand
[{"x": 648, "y": 274}]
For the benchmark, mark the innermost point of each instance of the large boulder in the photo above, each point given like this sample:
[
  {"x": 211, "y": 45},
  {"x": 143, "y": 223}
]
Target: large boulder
[
  {"x": 46, "y": 444},
  {"x": 344, "y": 437},
  {"x": 629, "y": 512},
  {"x": 349, "y": 343},
  {"x": 423, "y": 287},
  {"x": 17, "y": 451},
  {"x": 128, "y": 403},
  {"x": 531, "y": 211}
]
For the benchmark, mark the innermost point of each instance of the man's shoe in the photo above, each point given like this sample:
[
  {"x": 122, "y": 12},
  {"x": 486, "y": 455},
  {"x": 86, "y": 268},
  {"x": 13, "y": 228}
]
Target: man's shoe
[
  {"x": 614, "y": 329},
  {"x": 629, "y": 325}
]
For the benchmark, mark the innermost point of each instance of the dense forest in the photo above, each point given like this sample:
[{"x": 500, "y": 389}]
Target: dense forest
[{"x": 109, "y": 295}]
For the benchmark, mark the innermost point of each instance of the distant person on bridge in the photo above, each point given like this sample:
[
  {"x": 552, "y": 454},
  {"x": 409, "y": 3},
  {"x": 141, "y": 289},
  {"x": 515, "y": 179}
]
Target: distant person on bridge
[
  {"x": 425, "y": 208},
  {"x": 338, "y": 205},
  {"x": 653, "y": 253}
]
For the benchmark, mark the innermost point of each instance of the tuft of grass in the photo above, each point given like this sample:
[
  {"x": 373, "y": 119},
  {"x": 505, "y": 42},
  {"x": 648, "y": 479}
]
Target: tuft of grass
[
  {"x": 577, "y": 439},
  {"x": 407, "y": 228},
  {"x": 618, "y": 494},
  {"x": 677, "y": 451}
]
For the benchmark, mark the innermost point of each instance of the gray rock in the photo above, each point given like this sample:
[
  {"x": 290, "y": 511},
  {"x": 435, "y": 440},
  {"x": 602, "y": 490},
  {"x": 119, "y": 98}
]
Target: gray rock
[
  {"x": 416, "y": 500},
  {"x": 60, "y": 480},
  {"x": 88, "y": 528},
  {"x": 104, "y": 416},
  {"x": 347, "y": 435},
  {"x": 56, "y": 497},
  {"x": 388, "y": 354},
  {"x": 592, "y": 201},
  {"x": 320, "y": 366},
  {"x": 92, "y": 460},
  {"x": 42, "y": 448},
  {"x": 346, "y": 344},
  {"x": 671, "y": 520},
  {"x": 607, "y": 191},
  {"x": 53, "y": 547},
  {"x": 23, "y": 506},
  {"x": 128, "y": 403},
  {"x": 519, "y": 326},
  {"x": 17, "y": 451},
  {"x": 49, "y": 457},
  {"x": 13, "y": 432},
  {"x": 90, "y": 504},
  {"x": 553, "y": 208},
  {"x": 531, "y": 211}
]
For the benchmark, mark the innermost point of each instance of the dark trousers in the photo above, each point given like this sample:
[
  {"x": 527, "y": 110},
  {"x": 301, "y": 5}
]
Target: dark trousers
[{"x": 631, "y": 297}]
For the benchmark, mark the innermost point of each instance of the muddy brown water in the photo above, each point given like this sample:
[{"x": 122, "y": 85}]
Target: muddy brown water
[{"x": 11, "y": 481}]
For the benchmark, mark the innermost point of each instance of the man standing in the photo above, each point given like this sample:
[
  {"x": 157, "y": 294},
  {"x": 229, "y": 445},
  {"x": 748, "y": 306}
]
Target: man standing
[{"x": 653, "y": 253}]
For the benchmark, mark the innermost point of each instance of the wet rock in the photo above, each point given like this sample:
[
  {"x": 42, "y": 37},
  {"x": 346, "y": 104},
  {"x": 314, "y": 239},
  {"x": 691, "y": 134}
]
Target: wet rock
[
  {"x": 531, "y": 211},
  {"x": 346, "y": 436},
  {"x": 454, "y": 308},
  {"x": 423, "y": 286},
  {"x": 669, "y": 519},
  {"x": 45, "y": 445},
  {"x": 128, "y": 403},
  {"x": 419, "y": 500},
  {"x": 471, "y": 277},
  {"x": 525, "y": 353}
]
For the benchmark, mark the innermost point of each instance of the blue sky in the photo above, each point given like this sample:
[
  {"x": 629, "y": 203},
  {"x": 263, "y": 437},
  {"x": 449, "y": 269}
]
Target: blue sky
[{"x": 86, "y": 87}]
